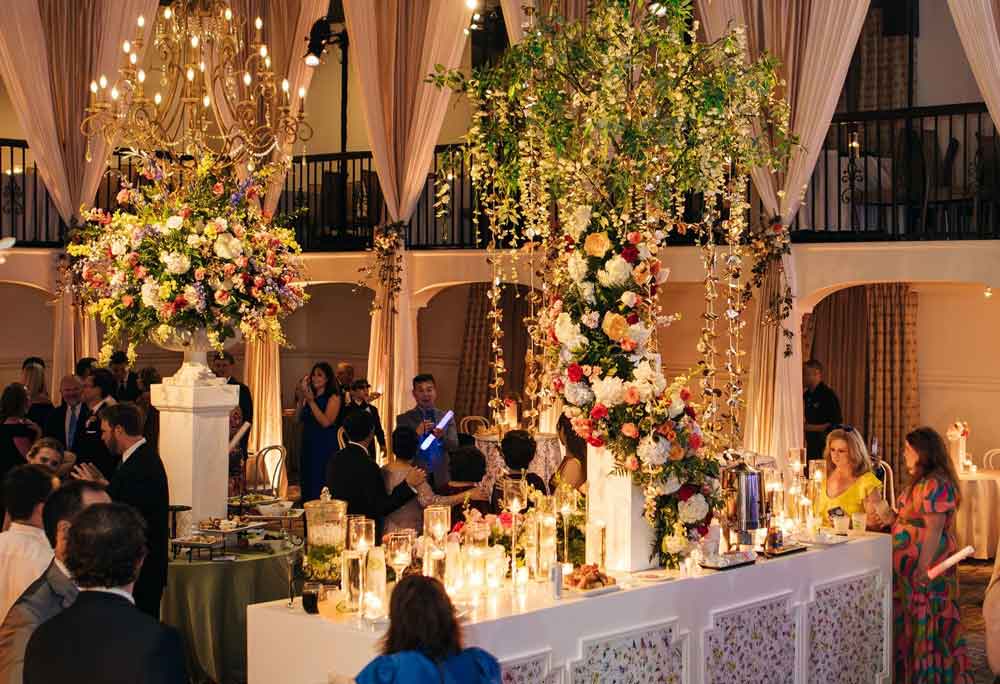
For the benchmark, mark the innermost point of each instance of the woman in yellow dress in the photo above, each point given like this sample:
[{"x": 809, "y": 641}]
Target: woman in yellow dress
[{"x": 849, "y": 474}]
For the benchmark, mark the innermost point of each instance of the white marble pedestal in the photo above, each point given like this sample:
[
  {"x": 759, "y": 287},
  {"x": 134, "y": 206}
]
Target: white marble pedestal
[
  {"x": 194, "y": 410},
  {"x": 617, "y": 503}
]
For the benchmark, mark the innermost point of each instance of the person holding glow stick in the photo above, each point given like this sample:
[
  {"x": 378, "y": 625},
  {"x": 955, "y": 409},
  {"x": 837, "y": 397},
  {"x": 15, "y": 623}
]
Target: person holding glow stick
[
  {"x": 929, "y": 640},
  {"x": 424, "y": 419}
]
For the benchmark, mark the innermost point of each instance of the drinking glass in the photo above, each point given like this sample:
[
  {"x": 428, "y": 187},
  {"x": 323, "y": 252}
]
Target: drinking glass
[
  {"x": 859, "y": 521},
  {"x": 352, "y": 579},
  {"x": 312, "y": 594},
  {"x": 399, "y": 547},
  {"x": 351, "y": 527},
  {"x": 437, "y": 523},
  {"x": 362, "y": 534}
]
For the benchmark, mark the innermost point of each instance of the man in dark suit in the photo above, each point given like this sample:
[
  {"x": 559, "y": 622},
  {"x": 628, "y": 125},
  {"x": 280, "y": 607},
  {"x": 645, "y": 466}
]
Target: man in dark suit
[
  {"x": 54, "y": 591},
  {"x": 66, "y": 422},
  {"x": 102, "y": 638},
  {"x": 90, "y": 447},
  {"x": 423, "y": 419},
  {"x": 357, "y": 400},
  {"x": 126, "y": 382},
  {"x": 222, "y": 366},
  {"x": 141, "y": 482},
  {"x": 354, "y": 477}
]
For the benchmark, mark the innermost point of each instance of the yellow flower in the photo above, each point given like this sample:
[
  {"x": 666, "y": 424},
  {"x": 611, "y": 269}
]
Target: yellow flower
[
  {"x": 597, "y": 244},
  {"x": 166, "y": 289},
  {"x": 615, "y": 326}
]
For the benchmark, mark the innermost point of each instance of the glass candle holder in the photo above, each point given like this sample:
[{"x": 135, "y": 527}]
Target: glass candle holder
[
  {"x": 435, "y": 559},
  {"x": 375, "y": 598},
  {"x": 351, "y": 528},
  {"x": 351, "y": 579},
  {"x": 496, "y": 567},
  {"x": 326, "y": 537},
  {"x": 437, "y": 523},
  {"x": 453, "y": 576},
  {"x": 478, "y": 534},
  {"x": 528, "y": 542}
]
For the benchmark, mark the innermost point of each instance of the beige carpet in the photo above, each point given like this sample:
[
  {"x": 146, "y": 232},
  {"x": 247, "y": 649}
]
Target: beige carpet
[{"x": 973, "y": 578}]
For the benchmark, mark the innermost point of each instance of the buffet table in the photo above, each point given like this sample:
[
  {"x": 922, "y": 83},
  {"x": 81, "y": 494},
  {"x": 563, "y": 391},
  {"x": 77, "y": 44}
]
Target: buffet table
[
  {"x": 977, "y": 523},
  {"x": 823, "y": 615}
]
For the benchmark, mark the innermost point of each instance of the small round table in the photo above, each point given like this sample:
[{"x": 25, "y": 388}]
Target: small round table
[
  {"x": 548, "y": 456},
  {"x": 207, "y": 602},
  {"x": 977, "y": 522}
]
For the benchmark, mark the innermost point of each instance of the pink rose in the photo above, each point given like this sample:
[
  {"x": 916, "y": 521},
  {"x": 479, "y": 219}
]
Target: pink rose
[
  {"x": 218, "y": 189},
  {"x": 574, "y": 372},
  {"x": 122, "y": 196},
  {"x": 629, "y": 344},
  {"x": 635, "y": 237},
  {"x": 632, "y": 463},
  {"x": 199, "y": 273},
  {"x": 222, "y": 296},
  {"x": 506, "y": 519},
  {"x": 630, "y": 430},
  {"x": 595, "y": 441},
  {"x": 632, "y": 395},
  {"x": 229, "y": 269},
  {"x": 694, "y": 442}
]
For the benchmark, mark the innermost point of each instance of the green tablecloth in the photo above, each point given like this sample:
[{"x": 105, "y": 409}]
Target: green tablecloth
[{"x": 207, "y": 601}]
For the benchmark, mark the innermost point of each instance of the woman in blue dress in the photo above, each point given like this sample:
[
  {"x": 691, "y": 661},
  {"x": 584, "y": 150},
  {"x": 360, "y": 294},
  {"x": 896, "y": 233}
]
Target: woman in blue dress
[
  {"x": 424, "y": 642},
  {"x": 319, "y": 405}
]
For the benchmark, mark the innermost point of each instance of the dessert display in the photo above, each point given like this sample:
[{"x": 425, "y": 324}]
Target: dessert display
[
  {"x": 233, "y": 523},
  {"x": 730, "y": 559}
]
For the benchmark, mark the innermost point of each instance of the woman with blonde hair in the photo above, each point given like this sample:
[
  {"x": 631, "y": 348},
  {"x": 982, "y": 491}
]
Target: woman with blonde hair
[
  {"x": 33, "y": 379},
  {"x": 849, "y": 478}
]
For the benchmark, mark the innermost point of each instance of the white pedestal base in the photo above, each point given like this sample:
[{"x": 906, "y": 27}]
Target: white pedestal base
[
  {"x": 617, "y": 503},
  {"x": 194, "y": 439}
]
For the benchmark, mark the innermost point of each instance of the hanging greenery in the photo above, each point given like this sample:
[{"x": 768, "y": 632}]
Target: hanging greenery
[{"x": 598, "y": 141}]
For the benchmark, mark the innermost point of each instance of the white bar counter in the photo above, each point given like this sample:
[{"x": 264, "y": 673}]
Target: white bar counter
[{"x": 823, "y": 615}]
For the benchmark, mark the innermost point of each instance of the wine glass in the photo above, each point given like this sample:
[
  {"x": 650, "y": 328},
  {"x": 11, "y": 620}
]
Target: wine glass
[
  {"x": 295, "y": 547},
  {"x": 399, "y": 547}
]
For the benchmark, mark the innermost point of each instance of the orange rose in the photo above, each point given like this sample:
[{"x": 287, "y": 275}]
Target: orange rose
[
  {"x": 676, "y": 453},
  {"x": 597, "y": 244},
  {"x": 641, "y": 274},
  {"x": 615, "y": 326},
  {"x": 631, "y": 395},
  {"x": 630, "y": 430}
]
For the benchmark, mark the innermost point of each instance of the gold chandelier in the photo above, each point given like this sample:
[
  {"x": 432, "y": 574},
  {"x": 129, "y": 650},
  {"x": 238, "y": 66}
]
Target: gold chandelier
[{"x": 212, "y": 93}]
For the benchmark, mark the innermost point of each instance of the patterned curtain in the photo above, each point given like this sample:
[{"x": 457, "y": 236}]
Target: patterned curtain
[
  {"x": 473, "y": 392},
  {"x": 840, "y": 323},
  {"x": 808, "y": 331},
  {"x": 883, "y": 66},
  {"x": 893, "y": 399}
]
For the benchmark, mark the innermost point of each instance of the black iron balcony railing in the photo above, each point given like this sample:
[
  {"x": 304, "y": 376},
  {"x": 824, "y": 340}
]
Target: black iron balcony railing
[{"x": 929, "y": 173}]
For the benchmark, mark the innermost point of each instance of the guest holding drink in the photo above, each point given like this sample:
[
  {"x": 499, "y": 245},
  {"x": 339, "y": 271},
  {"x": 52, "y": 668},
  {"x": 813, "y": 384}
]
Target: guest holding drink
[
  {"x": 424, "y": 642},
  {"x": 319, "y": 405},
  {"x": 929, "y": 643},
  {"x": 850, "y": 478}
]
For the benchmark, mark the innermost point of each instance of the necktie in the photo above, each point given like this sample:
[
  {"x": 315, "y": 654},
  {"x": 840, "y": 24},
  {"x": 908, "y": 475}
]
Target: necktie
[{"x": 71, "y": 432}]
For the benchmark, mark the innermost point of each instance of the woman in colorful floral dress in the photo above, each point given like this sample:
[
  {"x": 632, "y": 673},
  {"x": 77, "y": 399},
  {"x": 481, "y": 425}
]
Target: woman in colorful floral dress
[{"x": 929, "y": 644}]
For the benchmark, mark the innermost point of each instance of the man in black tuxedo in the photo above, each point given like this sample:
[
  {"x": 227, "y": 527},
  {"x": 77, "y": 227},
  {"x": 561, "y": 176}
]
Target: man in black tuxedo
[
  {"x": 354, "y": 477},
  {"x": 66, "y": 422},
  {"x": 126, "y": 382},
  {"x": 141, "y": 482},
  {"x": 358, "y": 401},
  {"x": 222, "y": 366},
  {"x": 102, "y": 638},
  {"x": 90, "y": 447}
]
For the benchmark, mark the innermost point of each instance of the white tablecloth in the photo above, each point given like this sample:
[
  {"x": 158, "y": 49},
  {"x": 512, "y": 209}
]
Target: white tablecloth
[
  {"x": 546, "y": 461},
  {"x": 977, "y": 522}
]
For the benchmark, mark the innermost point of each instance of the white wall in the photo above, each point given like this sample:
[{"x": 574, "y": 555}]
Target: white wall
[
  {"x": 959, "y": 370},
  {"x": 27, "y": 329}
]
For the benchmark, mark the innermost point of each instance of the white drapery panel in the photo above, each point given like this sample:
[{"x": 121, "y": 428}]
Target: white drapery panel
[
  {"x": 977, "y": 24},
  {"x": 813, "y": 41},
  {"x": 395, "y": 45}
]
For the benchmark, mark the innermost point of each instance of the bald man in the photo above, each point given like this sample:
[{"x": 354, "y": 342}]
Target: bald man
[
  {"x": 345, "y": 375},
  {"x": 66, "y": 422}
]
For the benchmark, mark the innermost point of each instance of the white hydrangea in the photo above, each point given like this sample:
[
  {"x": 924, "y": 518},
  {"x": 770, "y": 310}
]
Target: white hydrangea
[
  {"x": 578, "y": 221},
  {"x": 578, "y": 393},
  {"x": 228, "y": 246},
  {"x": 174, "y": 222},
  {"x": 577, "y": 267},
  {"x": 676, "y": 409},
  {"x": 653, "y": 451},
  {"x": 568, "y": 332},
  {"x": 119, "y": 246},
  {"x": 615, "y": 273},
  {"x": 609, "y": 391},
  {"x": 693, "y": 510},
  {"x": 629, "y": 298},
  {"x": 149, "y": 293},
  {"x": 587, "y": 292},
  {"x": 176, "y": 262},
  {"x": 639, "y": 333},
  {"x": 194, "y": 239}
]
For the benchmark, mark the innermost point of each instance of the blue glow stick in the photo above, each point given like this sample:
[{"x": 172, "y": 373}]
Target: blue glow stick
[{"x": 429, "y": 439}]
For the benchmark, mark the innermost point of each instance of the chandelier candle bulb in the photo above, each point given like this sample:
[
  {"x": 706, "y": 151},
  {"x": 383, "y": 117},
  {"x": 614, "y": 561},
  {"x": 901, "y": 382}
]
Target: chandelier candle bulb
[
  {"x": 168, "y": 13},
  {"x": 141, "y": 21},
  {"x": 103, "y": 81},
  {"x": 133, "y": 58},
  {"x": 228, "y": 14},
  {"x": 141, "y": 76},
  {"x": 126, "y": 47},
  {"x": 247, "y": 78}
]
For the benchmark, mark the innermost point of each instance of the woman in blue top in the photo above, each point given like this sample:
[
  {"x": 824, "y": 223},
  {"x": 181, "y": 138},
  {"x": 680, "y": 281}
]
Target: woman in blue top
[
  {"x": 319, "y": 405},
  {"x": 424, "y": 642}
]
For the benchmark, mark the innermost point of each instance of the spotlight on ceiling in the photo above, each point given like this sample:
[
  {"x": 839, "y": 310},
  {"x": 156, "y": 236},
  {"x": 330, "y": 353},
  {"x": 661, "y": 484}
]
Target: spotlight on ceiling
[{"x": 319, "y": 37}]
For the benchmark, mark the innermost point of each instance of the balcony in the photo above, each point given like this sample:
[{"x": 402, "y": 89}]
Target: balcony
[{"x": 929, "y": 173}]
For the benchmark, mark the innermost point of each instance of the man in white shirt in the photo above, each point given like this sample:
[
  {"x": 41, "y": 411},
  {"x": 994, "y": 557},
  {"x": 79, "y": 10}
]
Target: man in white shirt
[
  {"x": 54, "y": 591},
  {"x": 25, "y": 552}
]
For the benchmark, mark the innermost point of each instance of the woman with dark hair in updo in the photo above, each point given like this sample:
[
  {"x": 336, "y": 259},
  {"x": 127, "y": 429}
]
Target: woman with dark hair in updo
[{"x": 424, "y": 641}]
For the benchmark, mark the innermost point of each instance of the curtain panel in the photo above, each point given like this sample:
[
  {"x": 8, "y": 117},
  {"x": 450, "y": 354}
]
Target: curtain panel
[
  {"x": 893, "y": 396},
  {"x": 395, "y": 44},
  {"x": 473, "y": 393},
  {"x": 978, "y": 24}
]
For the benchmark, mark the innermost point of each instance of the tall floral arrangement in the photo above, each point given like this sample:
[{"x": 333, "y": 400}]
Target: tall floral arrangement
[
  {"x": 599, "y": 141},
  {"x": 188, "y": 248}
]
